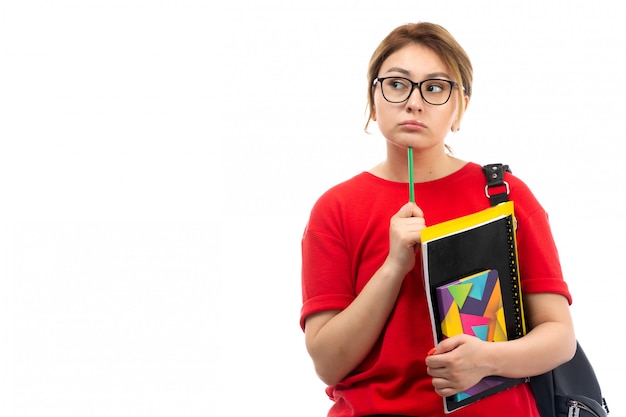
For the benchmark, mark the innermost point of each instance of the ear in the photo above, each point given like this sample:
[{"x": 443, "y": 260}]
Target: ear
[{"x": 373, "y": 115}]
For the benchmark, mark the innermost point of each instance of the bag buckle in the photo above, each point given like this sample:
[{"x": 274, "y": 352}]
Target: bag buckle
[
  {"x": 574, "y": 408},
  {"x": 488, "y": 187},
  {"x": 494, "y": 174}
]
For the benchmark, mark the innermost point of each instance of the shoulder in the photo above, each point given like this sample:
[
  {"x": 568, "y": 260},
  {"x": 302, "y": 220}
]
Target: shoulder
[
  {"x": 336, "y": 200},
  {"x": 349, "y": 192},
  {"x": 516, "y": 185},
  {"x": 525, "y": 201},
  {"x": 356, "y": 202},
  {"x": 520, "y": 190}
]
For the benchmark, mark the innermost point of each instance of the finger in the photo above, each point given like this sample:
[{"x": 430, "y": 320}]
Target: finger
[
  {"x": 410, "y": 210},
  {"x": 416, "y": 211},
  {"x": 446, "y": 391},
  {"x": 435, "y": 365},
  {"x": 450, "y": 344},
  {"x": 405, "y": 211}
]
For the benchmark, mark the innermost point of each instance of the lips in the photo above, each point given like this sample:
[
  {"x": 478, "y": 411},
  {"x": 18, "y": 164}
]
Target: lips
[{"x": 413, "y": 125}]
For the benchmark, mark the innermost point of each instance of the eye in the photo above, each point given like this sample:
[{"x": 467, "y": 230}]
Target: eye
[
  {"x": 436, "y": 86},
  {"x": 398, "y": 83}
]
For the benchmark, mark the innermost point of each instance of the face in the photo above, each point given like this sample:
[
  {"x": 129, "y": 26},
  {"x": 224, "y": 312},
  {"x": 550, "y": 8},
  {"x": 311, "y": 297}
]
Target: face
[{"x": 415, "y": 122}]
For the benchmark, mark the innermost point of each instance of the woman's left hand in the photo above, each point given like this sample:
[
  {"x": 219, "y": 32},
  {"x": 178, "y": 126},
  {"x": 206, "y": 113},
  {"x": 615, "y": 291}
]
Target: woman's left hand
[{"x": 458, "y": 364}]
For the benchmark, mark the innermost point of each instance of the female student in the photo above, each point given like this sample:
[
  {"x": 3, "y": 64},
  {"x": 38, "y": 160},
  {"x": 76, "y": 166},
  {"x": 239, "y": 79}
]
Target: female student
[{"x": 365, "y": 314}]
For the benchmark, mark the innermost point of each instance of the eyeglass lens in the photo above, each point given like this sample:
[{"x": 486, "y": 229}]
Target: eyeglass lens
[{"x": 397, "y": 90}]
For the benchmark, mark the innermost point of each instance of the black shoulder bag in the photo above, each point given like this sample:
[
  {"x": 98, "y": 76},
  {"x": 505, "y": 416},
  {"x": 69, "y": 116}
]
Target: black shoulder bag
[{"x": 572, "y": 389}]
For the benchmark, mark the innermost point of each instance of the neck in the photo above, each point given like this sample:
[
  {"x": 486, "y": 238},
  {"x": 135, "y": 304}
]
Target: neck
[{"x": 427, "y": 165}]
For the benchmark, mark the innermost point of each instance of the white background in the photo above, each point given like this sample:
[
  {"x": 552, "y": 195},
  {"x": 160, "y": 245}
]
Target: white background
[{"x": 158, "y": 161}]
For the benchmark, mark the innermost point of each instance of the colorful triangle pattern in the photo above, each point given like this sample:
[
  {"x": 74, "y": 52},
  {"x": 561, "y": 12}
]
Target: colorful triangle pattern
[{"x": 473, "y": 305}]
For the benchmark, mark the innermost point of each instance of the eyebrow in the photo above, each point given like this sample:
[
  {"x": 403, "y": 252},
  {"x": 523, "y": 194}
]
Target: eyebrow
[{"x": 407, "y": 73}]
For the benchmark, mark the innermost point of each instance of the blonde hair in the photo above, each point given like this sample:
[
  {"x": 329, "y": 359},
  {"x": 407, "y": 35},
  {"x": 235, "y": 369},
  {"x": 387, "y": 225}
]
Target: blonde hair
[{"x": 440, "y": 41}]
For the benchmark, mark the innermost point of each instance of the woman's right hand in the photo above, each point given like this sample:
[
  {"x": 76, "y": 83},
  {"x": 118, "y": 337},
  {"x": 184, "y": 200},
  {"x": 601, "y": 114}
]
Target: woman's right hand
[{"x": 405, "y": 232}]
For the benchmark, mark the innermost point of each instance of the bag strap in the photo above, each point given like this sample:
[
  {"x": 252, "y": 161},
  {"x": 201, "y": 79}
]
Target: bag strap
[
  {"x": 496, "y": 190},
  {"x": 576, "y": 379}
]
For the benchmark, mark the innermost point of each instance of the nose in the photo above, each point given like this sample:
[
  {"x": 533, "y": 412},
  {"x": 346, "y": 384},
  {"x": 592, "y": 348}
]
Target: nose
[{"x": 415, "y": 102}]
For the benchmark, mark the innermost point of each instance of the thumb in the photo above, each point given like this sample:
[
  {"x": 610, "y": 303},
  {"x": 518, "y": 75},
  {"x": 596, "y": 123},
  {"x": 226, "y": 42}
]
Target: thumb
[
  {"x": 410, "y": 210},
  {"x": 416, "y": 211}
]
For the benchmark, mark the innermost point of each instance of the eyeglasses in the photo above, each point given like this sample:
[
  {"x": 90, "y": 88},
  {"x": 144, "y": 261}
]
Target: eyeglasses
[{"x": 435, "y": 91}]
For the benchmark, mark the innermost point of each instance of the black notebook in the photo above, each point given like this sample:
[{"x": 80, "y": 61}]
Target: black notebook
[{"x": 472, "y": 284}]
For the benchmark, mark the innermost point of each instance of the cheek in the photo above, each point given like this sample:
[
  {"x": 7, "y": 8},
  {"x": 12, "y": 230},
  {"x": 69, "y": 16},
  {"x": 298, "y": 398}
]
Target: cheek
[
  {"x": 380, "y": 107},
  {"x": 453, "y": 116}
]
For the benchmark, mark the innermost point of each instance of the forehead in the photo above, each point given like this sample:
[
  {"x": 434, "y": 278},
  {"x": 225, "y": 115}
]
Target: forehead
[{"x": 414, "y": 60}]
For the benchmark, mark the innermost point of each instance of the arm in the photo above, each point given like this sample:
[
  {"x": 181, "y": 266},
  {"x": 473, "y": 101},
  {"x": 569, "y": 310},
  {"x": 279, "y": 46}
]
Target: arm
[
  {"x": 338, "y": 341},
  {"x": 461, "y": 361}
]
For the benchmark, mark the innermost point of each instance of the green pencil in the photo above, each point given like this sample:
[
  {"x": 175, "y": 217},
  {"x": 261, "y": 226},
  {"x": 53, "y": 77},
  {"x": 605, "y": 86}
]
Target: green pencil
[{"x": 411, "y": 183}]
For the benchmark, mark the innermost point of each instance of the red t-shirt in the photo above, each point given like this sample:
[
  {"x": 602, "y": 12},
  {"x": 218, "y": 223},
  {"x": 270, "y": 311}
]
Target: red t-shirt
[{"x": 345, "y": 242}]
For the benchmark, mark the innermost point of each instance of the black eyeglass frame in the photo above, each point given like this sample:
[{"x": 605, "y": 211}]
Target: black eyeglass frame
[{"x": 419, "y": 88}]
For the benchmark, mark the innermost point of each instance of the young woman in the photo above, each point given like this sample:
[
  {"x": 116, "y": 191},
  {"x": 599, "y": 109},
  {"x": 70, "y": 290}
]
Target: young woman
[{"x": 364, "y": 313}]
